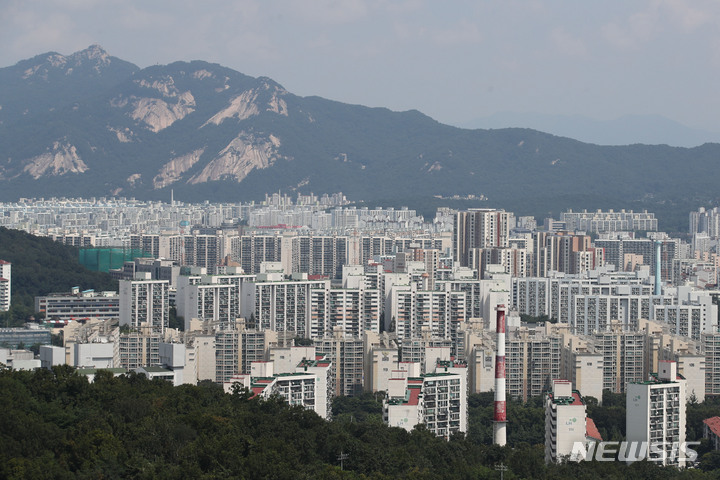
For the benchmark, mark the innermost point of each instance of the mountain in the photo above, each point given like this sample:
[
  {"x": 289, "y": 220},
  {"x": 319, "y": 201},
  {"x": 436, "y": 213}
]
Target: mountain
[
  {"x": 50, "y": 81},
  {"x": 626, "y": 130},
  {"x": 92, "y": 125}
]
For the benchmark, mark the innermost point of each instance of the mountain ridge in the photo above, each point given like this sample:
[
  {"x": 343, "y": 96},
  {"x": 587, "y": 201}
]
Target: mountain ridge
[
  {"x": 624, "y": 130},
  {"x": 211, "y": 133}
]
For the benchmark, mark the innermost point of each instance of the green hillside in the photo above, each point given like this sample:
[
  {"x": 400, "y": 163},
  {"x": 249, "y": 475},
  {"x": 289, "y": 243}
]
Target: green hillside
[{"x": 41, "y": 266}]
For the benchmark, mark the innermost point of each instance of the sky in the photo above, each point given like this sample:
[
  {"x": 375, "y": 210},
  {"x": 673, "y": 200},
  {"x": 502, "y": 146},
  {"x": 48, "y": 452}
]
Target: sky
[{"x": 453, "y": 60}]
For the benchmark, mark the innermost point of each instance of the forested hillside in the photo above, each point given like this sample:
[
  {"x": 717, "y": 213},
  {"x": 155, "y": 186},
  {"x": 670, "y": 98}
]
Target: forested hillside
[
  {"x": 57, "y": 425},
  {"x": 41, "y": 266}
]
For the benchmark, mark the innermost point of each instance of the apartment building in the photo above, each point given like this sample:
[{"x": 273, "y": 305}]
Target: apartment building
[
  {"x": 656, "y": 415},
  {"x": 77, "y": 305},
  {"x": 479, "y": 228},
  {"x": 623, "y": 357},
  {"x": 438, "y": 400},
  {"x": 610, "y": 221},
  {"x": 309, "y": 386},
  {"x": 346, "y": 355},
  {"x": 565, "y": 421},
  {"x": 145, "y": 301},
  {"x": 5, "y": 285},
  {"x": 532, "y": 360},
  {"x": 281, "y": 305},
  {"x": 711, "y": 347},
  {"x": 412, "y": 309},
  {"x": 213, "y": 298},
  {"x": 355, "y": 310}
]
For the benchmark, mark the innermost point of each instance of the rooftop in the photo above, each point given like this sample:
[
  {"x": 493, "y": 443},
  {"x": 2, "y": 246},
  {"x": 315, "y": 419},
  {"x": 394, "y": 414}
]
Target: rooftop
[
  {"x": 412, "y": 396},
  {"x": 576, "y": 399},
  {"x": 591, "y": 430},
  {"x": 713, "y": 424}
]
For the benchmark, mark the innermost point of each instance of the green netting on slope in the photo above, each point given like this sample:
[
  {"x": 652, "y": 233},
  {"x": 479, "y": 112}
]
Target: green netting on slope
[{"x": 106, "y": 259}]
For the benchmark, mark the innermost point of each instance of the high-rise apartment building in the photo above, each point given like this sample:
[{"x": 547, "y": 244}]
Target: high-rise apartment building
[
  {"x": 5, "y": 285},
  {"x": 656, "y": 415},
  {"x": 346, "y": 355},
  {"x": 479, "y": 228},
  {"x": 145, "y": 302},
  {"x": 565, "y": 421},
  {"x": 438, "y": 400},
  {"x": 281, "y": 305}
]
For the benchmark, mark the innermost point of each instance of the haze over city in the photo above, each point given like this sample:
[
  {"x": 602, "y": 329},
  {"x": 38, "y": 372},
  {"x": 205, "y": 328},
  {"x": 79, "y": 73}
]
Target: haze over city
[{"x": 455, "y": 62}]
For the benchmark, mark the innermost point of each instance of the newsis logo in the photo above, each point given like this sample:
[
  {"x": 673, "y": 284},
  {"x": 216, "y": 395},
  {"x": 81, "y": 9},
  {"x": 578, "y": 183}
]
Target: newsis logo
[{"x": 667, "y": 452}]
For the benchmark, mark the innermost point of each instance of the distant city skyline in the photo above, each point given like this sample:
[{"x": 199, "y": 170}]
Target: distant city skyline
[{"x": 456, "y": 64}]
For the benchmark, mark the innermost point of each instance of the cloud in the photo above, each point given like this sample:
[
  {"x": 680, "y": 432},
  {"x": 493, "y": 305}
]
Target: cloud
[
  {"x": 692, "y": 15},
  {"x": 567, "y": 43}
]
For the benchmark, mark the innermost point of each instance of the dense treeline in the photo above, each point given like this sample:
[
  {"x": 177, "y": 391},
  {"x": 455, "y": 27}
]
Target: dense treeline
[
  {"x": 57, "y": 425},
  {"x": 41, "y": 266}
]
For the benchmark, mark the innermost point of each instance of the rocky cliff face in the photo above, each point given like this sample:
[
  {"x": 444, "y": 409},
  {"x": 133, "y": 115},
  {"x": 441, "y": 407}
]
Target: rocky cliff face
[
  {"x": 239, "y": 158},
  {"x": 173, "y": 171},
  {"x": 61, "y": 159}
]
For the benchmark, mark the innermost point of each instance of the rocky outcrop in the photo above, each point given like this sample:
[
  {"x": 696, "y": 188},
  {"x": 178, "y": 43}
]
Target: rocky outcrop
[
  {"x": 60, "y": 160},
  {"x": 239, "y": 158},
  {"x": 124, "y": 135},
  {"x": 158, "y": 114},
  {"x": 241, "y": 107},
  {"x": 172, "y": 171}
]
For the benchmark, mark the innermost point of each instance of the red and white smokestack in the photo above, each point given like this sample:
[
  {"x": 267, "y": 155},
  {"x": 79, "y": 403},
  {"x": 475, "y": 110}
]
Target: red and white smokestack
[{"x": 500, "y": 418}]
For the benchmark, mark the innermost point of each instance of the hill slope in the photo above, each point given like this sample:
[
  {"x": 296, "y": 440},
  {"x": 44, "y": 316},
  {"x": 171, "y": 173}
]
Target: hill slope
[{"x": 41, "y": 266}]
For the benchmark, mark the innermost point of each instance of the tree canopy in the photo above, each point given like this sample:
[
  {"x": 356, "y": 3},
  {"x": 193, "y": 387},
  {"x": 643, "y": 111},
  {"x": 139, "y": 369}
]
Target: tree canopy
[{"x": 57, "y": 425}]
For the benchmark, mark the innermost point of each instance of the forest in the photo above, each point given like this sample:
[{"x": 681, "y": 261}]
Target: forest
[
  {"x": 41, "y": 266},
  {"x": 57, "y": 425}
]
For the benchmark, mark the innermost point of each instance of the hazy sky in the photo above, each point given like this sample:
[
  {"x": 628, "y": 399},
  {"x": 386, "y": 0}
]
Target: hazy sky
[{"x": 453, "y": 60}]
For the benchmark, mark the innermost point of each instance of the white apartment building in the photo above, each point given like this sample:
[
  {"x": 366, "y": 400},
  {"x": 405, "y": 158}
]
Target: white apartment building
[
  {"x": 356, "y": 310},
  {"x": 610, "y": 221},
  {"x": 213, "y": 298},
  {"x": 309, "y": 386},
  {"x": 413, "y": 309},
  {"x": 145, "y": 302},
  {"x": 584, "y": 369},
  {"x": 282, "y": 305},
  {"x": 565, "y": 421},
  {"x": 439, "y": 400},
  {"x": 656, "y": 414},
  {"x": 285, "y": 359},
  {"x": 5, "y": 285}
]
